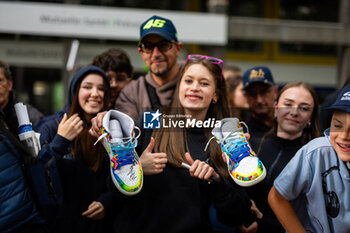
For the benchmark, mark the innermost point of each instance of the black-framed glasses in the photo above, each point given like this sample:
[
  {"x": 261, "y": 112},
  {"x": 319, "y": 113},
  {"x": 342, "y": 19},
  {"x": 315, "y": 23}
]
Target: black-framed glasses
[
  {"x": 213, "y": 60},
  {"x": 332, "y": 200},
  {"x": 162, "y": 46}
]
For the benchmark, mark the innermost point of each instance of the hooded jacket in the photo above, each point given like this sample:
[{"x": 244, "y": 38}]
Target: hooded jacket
[
  {"x": 47, "y": 126},
  {"x": 80, "y": 185}
]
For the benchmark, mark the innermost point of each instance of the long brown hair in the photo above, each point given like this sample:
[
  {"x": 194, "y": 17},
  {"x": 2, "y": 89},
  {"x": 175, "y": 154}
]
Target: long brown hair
[
  {"x": 174, "y": 142},
  {"x": 309, "y": 132},
  {"x": 83, "y": 145}
]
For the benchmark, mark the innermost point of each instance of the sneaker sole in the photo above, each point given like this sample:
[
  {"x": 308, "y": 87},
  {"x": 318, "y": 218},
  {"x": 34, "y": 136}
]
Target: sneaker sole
[
  {"x": 250, "y": 183},
  {"x": 133, "y": 190}
]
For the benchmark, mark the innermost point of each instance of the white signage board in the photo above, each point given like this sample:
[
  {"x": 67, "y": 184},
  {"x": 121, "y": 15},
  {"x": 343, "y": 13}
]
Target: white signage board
[
  {"x": 64, "y": 20},
  {"x": 51, "y": 54}
]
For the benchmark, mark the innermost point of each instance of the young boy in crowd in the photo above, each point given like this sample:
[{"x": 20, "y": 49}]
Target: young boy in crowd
[{"x": 312, "y": 193}]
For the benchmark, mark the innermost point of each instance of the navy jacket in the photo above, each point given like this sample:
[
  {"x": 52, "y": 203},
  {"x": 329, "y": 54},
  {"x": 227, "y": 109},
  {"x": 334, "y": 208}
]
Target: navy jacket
[
  {"x": 80, "y": 185},
  {"x": 17, "y": 206}
]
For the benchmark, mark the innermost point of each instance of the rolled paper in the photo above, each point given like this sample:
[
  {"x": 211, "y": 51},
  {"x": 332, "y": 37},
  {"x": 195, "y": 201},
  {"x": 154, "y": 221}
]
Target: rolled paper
[
  {"x": 22, "y": 114},
  {"x": 27, "y": 136}
]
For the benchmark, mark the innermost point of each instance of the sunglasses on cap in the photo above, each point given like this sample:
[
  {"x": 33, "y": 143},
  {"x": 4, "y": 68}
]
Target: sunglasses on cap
[{"x": 213, "y": 60}]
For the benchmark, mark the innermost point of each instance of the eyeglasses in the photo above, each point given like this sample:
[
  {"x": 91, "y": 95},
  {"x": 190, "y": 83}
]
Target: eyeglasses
[
  {"x": 162, "y": 46},
  {"x": 213, "y": 60}
]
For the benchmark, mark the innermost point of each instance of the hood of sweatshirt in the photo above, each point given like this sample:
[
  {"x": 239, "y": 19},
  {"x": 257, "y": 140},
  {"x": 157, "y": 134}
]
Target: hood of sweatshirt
[{"x": 82, "y": 73}]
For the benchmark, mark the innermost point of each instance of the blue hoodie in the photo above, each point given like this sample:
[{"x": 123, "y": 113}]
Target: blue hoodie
[{"x": 47, "y": 126}]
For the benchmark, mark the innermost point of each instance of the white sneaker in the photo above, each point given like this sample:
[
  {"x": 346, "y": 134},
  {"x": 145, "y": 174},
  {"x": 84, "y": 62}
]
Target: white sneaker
[
  {"x": 120, "y": 142},
  {"x": 243, "y": 164}
]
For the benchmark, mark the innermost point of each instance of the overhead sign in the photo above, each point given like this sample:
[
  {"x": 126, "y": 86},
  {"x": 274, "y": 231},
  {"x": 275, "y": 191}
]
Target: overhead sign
[
  {"x": 46, "y": 54},
  {"x": 64, "y": 20}
]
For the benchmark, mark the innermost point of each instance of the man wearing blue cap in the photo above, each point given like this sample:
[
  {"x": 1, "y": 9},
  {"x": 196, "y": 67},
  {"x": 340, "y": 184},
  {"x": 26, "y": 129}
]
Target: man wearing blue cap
[
  {"x": 261, "y": 92},
  {"x": 159, "y": 48}
]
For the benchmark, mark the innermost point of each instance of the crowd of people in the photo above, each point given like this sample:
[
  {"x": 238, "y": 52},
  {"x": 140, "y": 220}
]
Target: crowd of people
[{"x": 305, "y": 178}]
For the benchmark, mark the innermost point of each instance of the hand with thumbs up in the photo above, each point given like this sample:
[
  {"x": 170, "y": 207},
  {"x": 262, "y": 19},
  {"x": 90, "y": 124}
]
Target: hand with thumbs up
[
  {"x": 152, "y": 163},
  {"x": 201, "y": 169}
]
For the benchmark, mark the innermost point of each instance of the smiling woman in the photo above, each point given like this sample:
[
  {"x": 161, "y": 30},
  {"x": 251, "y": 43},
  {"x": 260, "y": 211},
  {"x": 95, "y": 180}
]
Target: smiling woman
[
  {"x": 197, "y": 91},
  {"x": 91, "y": 94},
  {"x": 293, "y": 112},
  {"x": 174, "y": 199},
  {"x": 296, "y": 123},
  {"x": 83, "y": 167},
  {"x": 200, "y": 94}
]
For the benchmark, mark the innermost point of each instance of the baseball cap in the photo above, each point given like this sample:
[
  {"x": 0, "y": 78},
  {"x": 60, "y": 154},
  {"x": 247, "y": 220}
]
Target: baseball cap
[
  {"x": 343, "y": 100},
  {"x": 257, "y": 74},
  {"x": 160, "y": 26}
]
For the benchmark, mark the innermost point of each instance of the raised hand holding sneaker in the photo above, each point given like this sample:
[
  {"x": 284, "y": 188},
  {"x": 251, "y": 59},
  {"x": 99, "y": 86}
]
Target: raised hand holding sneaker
[
  {"x": 243, "y": 164},
  {"x": 120, "y": 142}
]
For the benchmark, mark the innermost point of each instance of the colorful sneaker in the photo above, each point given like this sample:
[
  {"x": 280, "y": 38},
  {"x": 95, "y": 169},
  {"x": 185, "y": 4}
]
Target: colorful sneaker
[
  {"x": 243, "y": 164},
  {"x": 119, "y": 141}
]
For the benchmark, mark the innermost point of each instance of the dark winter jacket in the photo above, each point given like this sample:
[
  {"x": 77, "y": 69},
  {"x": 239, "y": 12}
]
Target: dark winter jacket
[
  {"x": 17, "y": 207},
  {"x": 275, "y": 153},
  {"x": 80, "y": 185},
  {"x": 256, "y": 128}
]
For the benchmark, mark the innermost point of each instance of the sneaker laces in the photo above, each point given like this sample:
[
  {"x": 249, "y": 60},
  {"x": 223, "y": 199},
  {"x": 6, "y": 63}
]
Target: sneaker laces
[
  {"x": 236, "y": 147},
  {"x": 122, "y": 158},
  {"x": 123, "y": 151},
  {"x": 127, "y": 140}
]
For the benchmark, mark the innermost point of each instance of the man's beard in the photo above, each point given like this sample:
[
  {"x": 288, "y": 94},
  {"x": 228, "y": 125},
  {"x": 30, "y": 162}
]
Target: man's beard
[
  {"x": 161, "y": 73},
  {"x": 164, "y": 72}
]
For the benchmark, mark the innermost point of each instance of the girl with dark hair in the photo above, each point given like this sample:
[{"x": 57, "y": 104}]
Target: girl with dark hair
[
  {"x": 296, "y": 123},
  {"x": 174, "y": 199},
  {"x": 83, "y": 167}
]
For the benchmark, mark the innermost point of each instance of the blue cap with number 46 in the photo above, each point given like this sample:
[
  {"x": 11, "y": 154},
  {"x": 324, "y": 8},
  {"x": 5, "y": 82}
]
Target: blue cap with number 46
[{"x": 160, "y": 26}]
